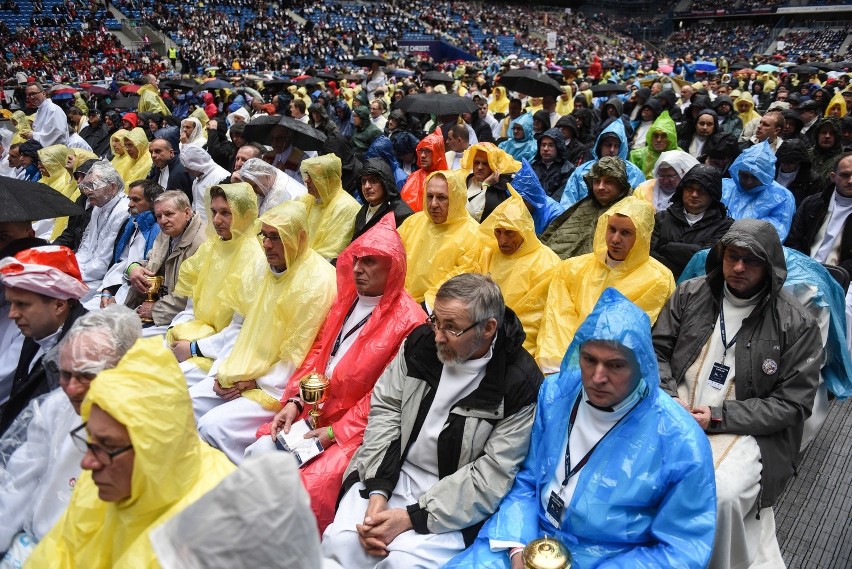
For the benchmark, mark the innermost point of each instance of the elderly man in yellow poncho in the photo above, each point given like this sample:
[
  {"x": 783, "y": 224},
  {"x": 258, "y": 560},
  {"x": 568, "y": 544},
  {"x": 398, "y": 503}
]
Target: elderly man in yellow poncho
[
  {"x": 282, "y": 303},
  {"x": 331, "y": 211},
  {"x": 144, "y": 463},
  {"x": 207, "y": 328},
  {"x": 438, "y": 238},
  {"x": 621, "y": 259}
]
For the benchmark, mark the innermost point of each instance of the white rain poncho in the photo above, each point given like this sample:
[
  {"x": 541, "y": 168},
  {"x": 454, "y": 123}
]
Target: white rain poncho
[
  {"x": 198, "y": 160},
  {"x": 273, "y": 185}
]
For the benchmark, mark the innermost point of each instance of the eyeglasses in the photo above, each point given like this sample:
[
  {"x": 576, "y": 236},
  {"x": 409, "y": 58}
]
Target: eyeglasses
[
  {"x": 433, "y": 323},
  {"x": 748, "y": 260},
  {"x": 668, "y": 177},
  {"x": 102, "y": 455},
  {"x": 82, "y": 378},
  {"x": 273, "y": 237},
  {"x": 33, "y": 93}
]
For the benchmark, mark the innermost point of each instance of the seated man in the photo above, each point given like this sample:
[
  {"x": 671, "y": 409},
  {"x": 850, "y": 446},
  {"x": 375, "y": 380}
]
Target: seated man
[
  {"x": 331, "y": 211},
  {"x": 437, "y": 238},
  {"x": 621, "y": 260},
  {"x": 551, "y": 163},
  {"x": 430, "y": 158},
  {"x": 281, "y": 303},
  {"x": 134, "y": 240},
  {"x": 39, "y": 476},
  {"x": 659, "y": 138},
  {"x": 168, "y": 170},
  {"x": 366, "y": 324},
  {"x": 753, "y": 403},
  {"x": 143, "y": 460},
  {"x": 752, "y": 192},
  {"x": 415, "y": 496},
  {"x": 104, "y": 190},
  {"x": 204, "y": 173},
  {"x": 603, "y": 412},
  {"x": 488, "y": 170},
  {"x": 571, "y": 233},
  {"x": 181, "y": 234},
  {"x": 665, "y": 175},
  {"x": 43, "y": 287},
  {"x": 271, "y": 186},
  {"x": 206, "y": 327},
  {"x": 695, "y": 220},
  {"x": 379, "y": 192}
]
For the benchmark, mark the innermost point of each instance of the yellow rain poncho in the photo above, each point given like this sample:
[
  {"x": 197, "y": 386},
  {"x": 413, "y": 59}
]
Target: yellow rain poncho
[
  {"x": 750, "y": 114},
  {"x": 331, "y": 220},
  {"x": 500, "y": 104},
  {"x": 137, "y": 169},
  {"x": 120, "y": 160},
  {"x": 434, "y": 251},
  {"x": 837, "y": 101},
  {"x": 565, "y": 101},
  {"x": 524, "y": 276},
  {"x": 204, "y": 275},
  {"x": 498, "y": 159},
  {"x": 53, "y": 159},
  {"x": 172, "y": 467},
  {"x": 578, "y": 283},
  {"x": 150, "y": 101},
  {"x": 22, "y": 126},
  {"x": 282, "y": 312}
]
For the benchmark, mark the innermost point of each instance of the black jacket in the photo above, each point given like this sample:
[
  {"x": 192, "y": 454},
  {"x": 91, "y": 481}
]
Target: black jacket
[
  {"x": 29, "y": 384},
  {"x": 179, "y": 178},
  {"x": 221, "y": 150},
  {"x": 97, "y": 137},
  {"x": 806, "y": 183},
  {"x": 73, "y": 234},
  {"x": 553, "y": 178},
  {"x": 809, "y": 219},
  {"x": 674, "y": 241},
  {"x": 393, "y": 203}
]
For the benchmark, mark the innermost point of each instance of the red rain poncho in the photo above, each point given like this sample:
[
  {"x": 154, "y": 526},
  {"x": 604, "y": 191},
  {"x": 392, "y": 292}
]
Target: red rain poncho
[
  {"x": 412, "y": 191},
  {"x": 348, "y": 403}
]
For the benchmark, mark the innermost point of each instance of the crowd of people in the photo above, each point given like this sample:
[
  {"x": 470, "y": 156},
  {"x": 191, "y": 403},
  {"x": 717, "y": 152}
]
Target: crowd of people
[{"x": 496, "y": 303}]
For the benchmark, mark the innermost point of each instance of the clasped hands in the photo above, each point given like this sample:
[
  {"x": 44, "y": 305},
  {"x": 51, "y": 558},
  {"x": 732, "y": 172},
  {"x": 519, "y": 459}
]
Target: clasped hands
[{"x": 381, "y": 525}]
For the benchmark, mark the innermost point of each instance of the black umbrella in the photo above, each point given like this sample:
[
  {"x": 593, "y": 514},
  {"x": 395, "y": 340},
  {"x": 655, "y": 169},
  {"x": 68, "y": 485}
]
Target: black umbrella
[
  {"x": 276, "y": 84},
  {"x": 807, "y": 69},
  {"x": 530, "y": 82},
  {"x": 304, "y": 136},
  {"x": 603, "y": 89},
  {"x": 183, "y": 84},
  {"x": 214, "y": 84},
  {"x": 309, "y": 81},
  {"x": 438, "y": 77},
  {"x": 328, "y": 76},
  {"x": 827, "y": 66},
  {"x": 31, "y": 201},
  {"x": 368, "y": 60},
  {"x": 437, "y": 104},
  {"x": 124, "y": 103},
  {"x": 740, "y": 64}
]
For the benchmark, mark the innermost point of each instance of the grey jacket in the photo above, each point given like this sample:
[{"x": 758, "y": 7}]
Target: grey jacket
[
  {"x": 778, "y": 355},
  {"x": 482, "y": 445}
]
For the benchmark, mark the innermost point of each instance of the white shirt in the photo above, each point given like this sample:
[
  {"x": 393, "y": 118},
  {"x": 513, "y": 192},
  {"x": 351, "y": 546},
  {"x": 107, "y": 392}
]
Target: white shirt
[
  {"x": 134, "y": 250},
  {"x": 96, "y": 248},
  {"x": 364, "y": 307},
  {"x": 200, "y": 186},
  {"x": 44, "y": 345},
  {"x": 11, "y": 341},
  {"x": 51, "y": 125},
  {"x": 163, "y": 180},
  {"x": 825, "y": 250}
]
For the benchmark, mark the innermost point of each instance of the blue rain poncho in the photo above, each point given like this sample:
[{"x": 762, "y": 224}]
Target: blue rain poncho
[
  {"x": 647, "y": 496},
  {"x": 803, "y": 271},
  {"x": 544, "y": 208},
  {"x": 576, "y": 187},
  {"x": 525, "y": 148},
  {"x": 770, "y": 201},
  {"x": 382, "y": 147}
]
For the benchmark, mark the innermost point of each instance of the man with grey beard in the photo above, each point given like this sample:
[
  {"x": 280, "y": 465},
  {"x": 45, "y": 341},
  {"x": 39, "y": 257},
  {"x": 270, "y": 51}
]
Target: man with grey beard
[{"x": 449, "y": 426}]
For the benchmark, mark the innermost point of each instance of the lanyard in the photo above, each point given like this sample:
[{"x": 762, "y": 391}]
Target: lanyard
[
  {"x": 725, "y": 343},
  {"x": 340, "y": 336},
  {"x": 570, "y": 472}
]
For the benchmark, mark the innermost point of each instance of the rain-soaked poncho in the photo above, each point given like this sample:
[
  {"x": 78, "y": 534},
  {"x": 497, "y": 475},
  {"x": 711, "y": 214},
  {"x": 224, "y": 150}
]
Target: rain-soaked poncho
[
  {"x": 646, "y": 157},
  {"x": 196, "y": 138},
  {"x": 139, "y": 168},
  {"x": 750, "y": 114},
  {"x": 264, "y": 488},
  {"x": 578, "y": 283},
  {"x": 647, "y": 496},
  {"x": 544, "y": 208},
  {"x": 769, "y": 201},
  {"x": 53, "y": 159},
  {"x": 282, "y": 312},
  {"x": 382, "y": 147},
  {"x": 433, "y": 251},
  {"x": 352, "y": 380},
  {"x": 837, "y": 101},
  {"x": 204, "y": 275},
  {"x": 415, "y": 186},
  {"x": 120, "y": 160},
  {"x": 527, "y": 147},
  {"x": 523, "y": 277},
  {"x": 146, "y": 392},
  {"x": 500, "y": 104},
  {"x": 274, "y": 186},
  {"x": 680, "y": 161},
  {"x": 576, "y": 188},
  {"x": 23, "y": 125},
  {"x": 498, "y": 159},
  {"x": 331, "y": 217},
  {"x": 806, "y": 278},
  {"x": 150, "y": 101},
  {"x": 198, "y": 160}
]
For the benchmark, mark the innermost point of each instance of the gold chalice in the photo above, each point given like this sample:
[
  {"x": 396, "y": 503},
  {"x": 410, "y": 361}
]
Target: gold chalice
[
  {"x": 547, "y": 553},
  {"x": 156, "y": 283},
  {"x": 314, "y": 390}
]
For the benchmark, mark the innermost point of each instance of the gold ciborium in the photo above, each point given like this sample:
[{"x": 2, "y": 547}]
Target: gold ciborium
[
  {"x": 547, "y": 553},
  {"x": 313, "y": 390},
  {"x": 156, "y": 283}
]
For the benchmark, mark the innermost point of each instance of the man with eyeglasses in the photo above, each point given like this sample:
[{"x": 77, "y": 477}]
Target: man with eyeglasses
[
  {"x": 41, "y": 472},
  {"x": 51, "y": 124},
  {"x": 449, "y": 425},
  {"x": 743, "y": 357}
]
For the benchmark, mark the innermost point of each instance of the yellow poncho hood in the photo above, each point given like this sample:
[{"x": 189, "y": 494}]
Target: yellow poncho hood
[
  {"x": 750, "y": 114},
  {"x": 836, "y": 101},
  {"x": 53, "y": 158},
  {"x": 578, "y": 282},
  {"x": 22, "y": 126},
  {"x": 500, "y": 104},
  {"x": 120, "y": 160},
  {"x": 139, "y": 168},
  {"x": 146, "y": 392},
  {"x": 498, "y": 159},
  {"x": 331, "y": 221},
  {"x": 150, "y": 101}
]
